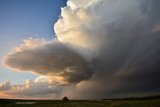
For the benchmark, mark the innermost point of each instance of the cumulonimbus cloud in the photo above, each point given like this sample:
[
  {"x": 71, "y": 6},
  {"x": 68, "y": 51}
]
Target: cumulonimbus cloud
[
  {"x": 56, "y": 60},
  {"x": 112, "y": 45}
]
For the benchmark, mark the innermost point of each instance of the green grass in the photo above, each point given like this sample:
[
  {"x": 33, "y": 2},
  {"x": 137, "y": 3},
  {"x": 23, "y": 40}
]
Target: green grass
[{"x": 85, "y": 103}]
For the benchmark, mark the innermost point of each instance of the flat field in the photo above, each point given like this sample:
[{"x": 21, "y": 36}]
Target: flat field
[{"x": 80, "y": 103}]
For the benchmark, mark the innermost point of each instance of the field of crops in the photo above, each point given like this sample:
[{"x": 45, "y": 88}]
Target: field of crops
[{"x": 78, "y": 103}]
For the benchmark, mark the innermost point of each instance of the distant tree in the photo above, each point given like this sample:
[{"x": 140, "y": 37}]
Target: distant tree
[{"x": 65, "y": 99}]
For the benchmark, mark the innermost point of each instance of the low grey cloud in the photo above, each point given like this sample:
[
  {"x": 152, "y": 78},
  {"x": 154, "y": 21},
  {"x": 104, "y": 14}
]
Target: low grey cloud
[
  {"x": 5, "y": 86},
  {"x": 51, "y": 59},
  {"x": 32, "y": 88}
]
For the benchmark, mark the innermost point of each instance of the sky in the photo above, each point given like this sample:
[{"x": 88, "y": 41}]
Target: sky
[
  {"x": 83, "y": 49},
  {"x": 21, "y": 19}
]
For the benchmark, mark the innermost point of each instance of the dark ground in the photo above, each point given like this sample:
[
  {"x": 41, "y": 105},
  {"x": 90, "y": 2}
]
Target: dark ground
[{"x": 152, "y": 101}]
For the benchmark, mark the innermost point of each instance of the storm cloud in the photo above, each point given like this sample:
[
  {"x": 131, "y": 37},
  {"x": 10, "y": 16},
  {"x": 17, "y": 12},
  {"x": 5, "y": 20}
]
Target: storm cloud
[
  {"x": 58, "y": 61},
  {"x": 105, "y": 48}
]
